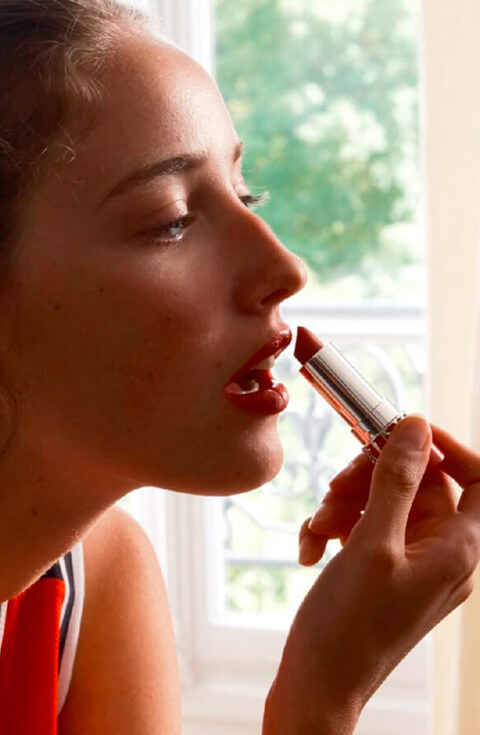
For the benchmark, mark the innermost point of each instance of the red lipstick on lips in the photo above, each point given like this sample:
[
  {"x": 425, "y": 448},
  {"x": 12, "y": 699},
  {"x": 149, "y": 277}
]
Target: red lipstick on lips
[
  {"x": 254, "y": 389},
  {"x": 371, "y": 416}
]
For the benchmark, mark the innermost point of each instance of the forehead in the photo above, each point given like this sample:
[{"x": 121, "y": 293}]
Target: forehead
[{"x": 157, "y": 103}]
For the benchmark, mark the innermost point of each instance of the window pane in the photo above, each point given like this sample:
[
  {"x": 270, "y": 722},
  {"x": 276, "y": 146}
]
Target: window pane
[{"x": 325, "y": 96}]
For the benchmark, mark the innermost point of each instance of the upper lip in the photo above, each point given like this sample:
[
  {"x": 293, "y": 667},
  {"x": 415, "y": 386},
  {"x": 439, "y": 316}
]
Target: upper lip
[{"x": 277, "y": 344}]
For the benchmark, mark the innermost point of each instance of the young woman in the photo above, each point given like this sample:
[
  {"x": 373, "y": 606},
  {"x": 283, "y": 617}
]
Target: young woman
[{"x": 130, "y": 254}]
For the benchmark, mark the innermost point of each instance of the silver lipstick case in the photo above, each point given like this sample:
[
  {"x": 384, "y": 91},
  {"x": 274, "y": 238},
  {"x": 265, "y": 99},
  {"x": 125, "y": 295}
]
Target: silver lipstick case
[{"x": 370, "y": 416}]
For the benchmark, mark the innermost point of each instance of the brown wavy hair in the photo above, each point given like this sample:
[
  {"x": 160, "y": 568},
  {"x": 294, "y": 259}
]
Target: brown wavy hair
[{"x": 51, "y": 53}]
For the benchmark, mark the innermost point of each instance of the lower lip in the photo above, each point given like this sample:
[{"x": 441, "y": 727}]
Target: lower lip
[{"x": 270, "y": 399}]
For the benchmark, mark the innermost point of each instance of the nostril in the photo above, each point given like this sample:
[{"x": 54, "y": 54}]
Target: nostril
[{"x": 274, "y": 298}]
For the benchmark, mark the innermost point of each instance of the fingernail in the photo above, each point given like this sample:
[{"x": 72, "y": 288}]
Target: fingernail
[
  {"x": 412, "y": 433},
  {"x": 306, "y": 552}
]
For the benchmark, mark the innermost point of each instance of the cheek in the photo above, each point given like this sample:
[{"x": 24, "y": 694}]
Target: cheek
[
  {"x": 117, "y": 348},
  {"x": 128, "y": 369}
]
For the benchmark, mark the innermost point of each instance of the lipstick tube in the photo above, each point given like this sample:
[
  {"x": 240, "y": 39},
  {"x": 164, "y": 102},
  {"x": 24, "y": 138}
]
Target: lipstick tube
[{"x": 370, "y": 416}]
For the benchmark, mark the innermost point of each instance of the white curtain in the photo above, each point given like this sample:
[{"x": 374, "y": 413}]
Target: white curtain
[{"x": 451, "y": 94}]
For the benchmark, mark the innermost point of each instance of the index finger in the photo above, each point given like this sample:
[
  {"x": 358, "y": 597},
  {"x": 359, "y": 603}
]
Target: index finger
[
  {"x": 354, "y": 476},
  {"x": 462, "y": 464}
]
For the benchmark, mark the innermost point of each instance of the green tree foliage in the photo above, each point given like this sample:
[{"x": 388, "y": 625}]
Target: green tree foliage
[{"x": 328, "y": 111}]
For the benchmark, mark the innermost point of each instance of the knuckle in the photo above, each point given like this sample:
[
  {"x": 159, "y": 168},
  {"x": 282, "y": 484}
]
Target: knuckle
[
  {"x": 467, "y": 587},
  {"x": 402, "y": 475},
  {"x": 382, "y": 560},
  {"x": 334, "y": 483},
  {"x": 468, "y": 544},
  {"x": 337, "y": 482},
  {"x": 467, "y": 552},
  {"x": 463, "y": 556},
  {"x": 463, "y": 591}
]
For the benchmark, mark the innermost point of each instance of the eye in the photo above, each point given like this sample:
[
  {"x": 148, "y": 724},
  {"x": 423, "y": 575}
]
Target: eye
[{"x": 172, "y": 232}]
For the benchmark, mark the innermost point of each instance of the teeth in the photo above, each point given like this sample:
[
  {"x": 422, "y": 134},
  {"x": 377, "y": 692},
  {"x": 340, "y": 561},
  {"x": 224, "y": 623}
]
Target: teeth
[
  {"x": 252, "y": 387},
  {"x": 267, "y": 364},
  {"x": 244, "y": 385}
]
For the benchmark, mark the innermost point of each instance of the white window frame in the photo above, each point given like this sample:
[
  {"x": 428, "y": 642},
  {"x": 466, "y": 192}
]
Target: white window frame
[{"x": 226, "y": 671}]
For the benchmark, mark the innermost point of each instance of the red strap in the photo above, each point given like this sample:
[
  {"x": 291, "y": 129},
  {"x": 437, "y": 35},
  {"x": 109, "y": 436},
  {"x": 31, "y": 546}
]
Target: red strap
[{"x": 29, "y": 660}]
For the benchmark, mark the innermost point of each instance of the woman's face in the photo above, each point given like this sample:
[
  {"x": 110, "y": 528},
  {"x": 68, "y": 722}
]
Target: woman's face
[{"x": 129, "y": 327}]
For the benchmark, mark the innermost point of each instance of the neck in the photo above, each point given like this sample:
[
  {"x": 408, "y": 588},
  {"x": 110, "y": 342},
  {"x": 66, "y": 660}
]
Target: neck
[{"x": 48, "y": 503}]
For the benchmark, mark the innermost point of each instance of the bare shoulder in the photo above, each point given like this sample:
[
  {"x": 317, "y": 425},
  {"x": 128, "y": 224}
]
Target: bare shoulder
[
  {"x": 116, "y": 535},
  {"x": 125, "y": 677}
]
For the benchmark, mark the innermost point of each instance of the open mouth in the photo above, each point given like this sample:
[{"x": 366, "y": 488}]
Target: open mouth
[
  {"x": 259, "y": 378},
  {"x": 253, "y": 388}
]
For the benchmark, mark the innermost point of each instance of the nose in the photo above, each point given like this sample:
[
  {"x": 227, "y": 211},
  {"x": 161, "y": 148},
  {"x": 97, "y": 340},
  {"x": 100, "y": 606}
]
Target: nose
[{"x": 269, "y": 273}]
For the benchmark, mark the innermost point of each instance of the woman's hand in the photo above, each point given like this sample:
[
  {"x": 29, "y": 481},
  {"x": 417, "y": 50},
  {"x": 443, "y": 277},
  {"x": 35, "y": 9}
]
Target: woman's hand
[
  {"x": 408, "y": 561},
  {"x": 347, "y": 497}
]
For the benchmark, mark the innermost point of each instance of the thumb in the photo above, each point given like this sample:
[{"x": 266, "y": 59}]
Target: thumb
[{"x": 395, "y": 480}]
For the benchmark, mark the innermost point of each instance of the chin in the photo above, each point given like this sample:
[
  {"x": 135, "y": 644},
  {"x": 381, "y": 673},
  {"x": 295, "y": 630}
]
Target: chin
[
  {"x": 246, "y": 471},
  {"x": 225, "y": 468}
]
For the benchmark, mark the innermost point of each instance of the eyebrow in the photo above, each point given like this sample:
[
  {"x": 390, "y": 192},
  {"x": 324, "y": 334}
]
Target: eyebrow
[{"x": 180, "y": 164}]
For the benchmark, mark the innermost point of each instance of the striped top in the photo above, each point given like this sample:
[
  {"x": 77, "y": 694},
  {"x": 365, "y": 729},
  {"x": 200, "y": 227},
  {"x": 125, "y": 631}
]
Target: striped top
[{"x": 39, "y": 630}]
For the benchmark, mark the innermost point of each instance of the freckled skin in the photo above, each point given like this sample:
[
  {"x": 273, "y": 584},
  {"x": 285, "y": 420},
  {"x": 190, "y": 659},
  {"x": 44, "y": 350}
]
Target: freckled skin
[{"x": 122, "y": 345}]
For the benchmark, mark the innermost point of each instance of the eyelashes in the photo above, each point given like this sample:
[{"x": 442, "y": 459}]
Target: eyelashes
[
  {"x": 255, "y": 200},
  {"x": 174, "y": 231}
]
